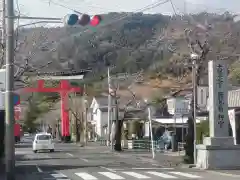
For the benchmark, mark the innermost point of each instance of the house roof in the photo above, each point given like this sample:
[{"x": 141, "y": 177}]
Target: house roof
[{"x": 102, "y": 100}]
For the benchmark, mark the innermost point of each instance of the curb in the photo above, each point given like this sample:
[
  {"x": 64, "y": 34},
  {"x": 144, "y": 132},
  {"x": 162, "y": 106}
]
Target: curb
[{"x": 188, "y": 166}]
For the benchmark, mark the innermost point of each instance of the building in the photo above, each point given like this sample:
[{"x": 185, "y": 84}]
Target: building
[{"x": 99, "y": 115}]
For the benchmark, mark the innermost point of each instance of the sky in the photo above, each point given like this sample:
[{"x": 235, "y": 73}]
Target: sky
[{"x": 60, "y": 8}]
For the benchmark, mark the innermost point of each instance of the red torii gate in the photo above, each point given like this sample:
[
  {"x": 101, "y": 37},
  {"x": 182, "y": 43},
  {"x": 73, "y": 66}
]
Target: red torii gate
[{"x": 64, "y": 88}]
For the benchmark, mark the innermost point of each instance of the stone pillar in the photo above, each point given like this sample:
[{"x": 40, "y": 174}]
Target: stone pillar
[
  {"x": 218, "y": 104},
  {"x": 218, "y": 151}
]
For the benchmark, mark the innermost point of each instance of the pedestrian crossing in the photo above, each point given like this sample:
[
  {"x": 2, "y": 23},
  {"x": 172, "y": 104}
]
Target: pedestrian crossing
[{"x": 128, "y": 175}]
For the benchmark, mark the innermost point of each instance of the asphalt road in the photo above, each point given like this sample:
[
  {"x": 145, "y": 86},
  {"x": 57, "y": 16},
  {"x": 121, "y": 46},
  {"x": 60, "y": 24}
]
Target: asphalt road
[{"x": 71, "y": 162}]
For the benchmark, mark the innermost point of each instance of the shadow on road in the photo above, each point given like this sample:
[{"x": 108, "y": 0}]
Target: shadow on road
[
  {"x": 50, "y": 158},
  {"x": 65, "y": 167},
  {"x": 23, "y": 145}
]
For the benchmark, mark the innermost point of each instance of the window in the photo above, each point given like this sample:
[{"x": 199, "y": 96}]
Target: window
[{"x": 43, "y": 137}]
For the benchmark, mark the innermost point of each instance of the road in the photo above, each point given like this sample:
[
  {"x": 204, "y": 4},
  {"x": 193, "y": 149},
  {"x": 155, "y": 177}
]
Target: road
[{"x": 71, "y": 162}]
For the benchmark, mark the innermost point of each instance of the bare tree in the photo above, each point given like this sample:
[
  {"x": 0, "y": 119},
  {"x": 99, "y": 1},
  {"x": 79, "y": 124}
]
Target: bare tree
[
  {"x": 132, "y": 102},
  {"x": 201, "y": 49},
  {"x": 76, "y": 109}
]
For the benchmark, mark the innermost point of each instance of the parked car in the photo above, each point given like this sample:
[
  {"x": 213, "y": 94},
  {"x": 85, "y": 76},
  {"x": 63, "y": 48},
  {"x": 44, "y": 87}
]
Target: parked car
[{"x": 43, "y": 141}]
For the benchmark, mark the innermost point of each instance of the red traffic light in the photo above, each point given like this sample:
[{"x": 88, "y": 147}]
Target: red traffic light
[
  {"x": 95, "y": 20},
  {"x": 83, "y": 20}
]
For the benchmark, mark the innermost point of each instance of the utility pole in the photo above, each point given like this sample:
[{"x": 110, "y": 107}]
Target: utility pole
[
  {"x": 194, "y": 82},
  {"x": 109, "y": 109},
  {"x": 9, "y": 106}
]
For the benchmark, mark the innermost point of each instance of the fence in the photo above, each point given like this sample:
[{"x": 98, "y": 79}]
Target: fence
[
  {"x": 138, "y": 144},
  {"x": 180, "y": 147}
]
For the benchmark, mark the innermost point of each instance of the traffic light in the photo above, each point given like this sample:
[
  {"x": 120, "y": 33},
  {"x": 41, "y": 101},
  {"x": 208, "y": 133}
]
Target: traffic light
[{"x": 82, "y": 20}]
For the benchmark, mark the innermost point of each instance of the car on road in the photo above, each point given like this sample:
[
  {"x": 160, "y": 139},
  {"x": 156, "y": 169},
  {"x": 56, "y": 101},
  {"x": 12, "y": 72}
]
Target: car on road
[
  {"x": 43, "y": 142},
  {"x": 26, "y": 134}
]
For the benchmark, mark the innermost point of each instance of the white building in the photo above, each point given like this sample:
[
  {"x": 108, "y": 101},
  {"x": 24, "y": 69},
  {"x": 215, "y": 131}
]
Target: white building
[{"x": 99, "y": 118}]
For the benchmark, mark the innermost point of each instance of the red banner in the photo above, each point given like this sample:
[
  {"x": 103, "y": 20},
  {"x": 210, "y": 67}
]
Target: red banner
[{"x": 17, "y": 112}]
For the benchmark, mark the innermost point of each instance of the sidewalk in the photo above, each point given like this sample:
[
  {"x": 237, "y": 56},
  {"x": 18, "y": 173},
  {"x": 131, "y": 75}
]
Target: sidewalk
[{"x": 166, "y": 159}]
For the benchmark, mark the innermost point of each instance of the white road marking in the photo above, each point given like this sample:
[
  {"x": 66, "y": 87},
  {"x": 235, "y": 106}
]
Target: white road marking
[
  {"x": 39, "y": 169},
  {"x": 86, "y": 176},
  {"x": 58, "y": 175},
  {"x": 152, "y": 168},
  {"x": 185, "y": 174},
  {"x": 111, "y": 175},
  {"x": 85, "y": 160},
  {"x": 225, "y": 174},
  {"x": 136, "y": 175},
  {"x": 70, "y": 154},
  {"x": 167, "y": 176},
  {"x": 108, "y": 169}
]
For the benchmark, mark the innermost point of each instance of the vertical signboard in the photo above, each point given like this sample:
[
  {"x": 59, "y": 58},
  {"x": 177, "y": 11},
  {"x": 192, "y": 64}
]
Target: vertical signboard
[{"x": 218, "y": 99}]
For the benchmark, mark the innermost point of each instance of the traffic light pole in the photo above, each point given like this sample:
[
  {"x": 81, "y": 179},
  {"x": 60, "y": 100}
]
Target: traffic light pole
[
  {"x": 9, "y": 106},
  {"x": 9, "y": 118}
]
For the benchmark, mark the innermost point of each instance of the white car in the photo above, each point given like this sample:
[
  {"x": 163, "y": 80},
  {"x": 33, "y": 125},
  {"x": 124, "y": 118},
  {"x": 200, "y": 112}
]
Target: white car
[
  {"x": 43, "y": 141},
  {"x": 26, "y": 134}
]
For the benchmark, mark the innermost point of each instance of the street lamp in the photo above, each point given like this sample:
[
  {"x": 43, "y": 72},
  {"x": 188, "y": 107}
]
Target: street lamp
[
  {"x": 150, "y": 126},
  {"x": 194, "y": 58}
]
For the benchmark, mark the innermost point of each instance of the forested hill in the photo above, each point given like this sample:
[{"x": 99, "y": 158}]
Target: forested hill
[{"x": 131, "y": 42}]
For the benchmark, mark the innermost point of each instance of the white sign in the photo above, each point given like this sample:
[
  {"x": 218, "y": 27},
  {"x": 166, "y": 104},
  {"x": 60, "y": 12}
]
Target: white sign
[
  {"x": 231, "y": 115},
  {"x": 218, "y": 98},
  {"x": 178, "y": 106},
  {"x": 202, "y": 97},
  {"x": 2, "y": 100},
  {"x": 2, "y": 79},
  {"x": 146, "y": 129}
]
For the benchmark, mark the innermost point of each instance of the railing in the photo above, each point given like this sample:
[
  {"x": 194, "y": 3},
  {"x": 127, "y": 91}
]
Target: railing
[
  {"x": 145, "y": 145},
  {"x": 103, "y": 142},
  {"x": 181, "y": 147},
  {"x": 138, "y": 144}
]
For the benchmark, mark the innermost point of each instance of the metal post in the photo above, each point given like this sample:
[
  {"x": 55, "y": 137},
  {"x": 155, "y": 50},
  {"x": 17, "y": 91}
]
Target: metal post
[
  {"x": 85, "y": 117},
  {"x": 194, "y": 109},
  {"x": 182, "y": 129},
  {"x": 173, "y": 139},
  {"x": 9, "y": 119},
  {"x": 109, "y": 110},
  {"x": 115, "y": 118},
  {"x": 150, "y": 124}
]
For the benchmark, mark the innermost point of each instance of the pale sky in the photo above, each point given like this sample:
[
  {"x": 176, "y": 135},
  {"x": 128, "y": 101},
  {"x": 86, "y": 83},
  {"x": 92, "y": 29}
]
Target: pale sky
[{"x": 49, "y": 8}]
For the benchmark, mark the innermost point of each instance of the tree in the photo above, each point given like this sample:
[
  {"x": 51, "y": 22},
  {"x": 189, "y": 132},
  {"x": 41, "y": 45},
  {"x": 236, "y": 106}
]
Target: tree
[
  {"x": 38, "y": 104},
  {"x": 76, "y": 109},
  {"x": 201, "y": 49},
  {"x": 119, "y": 122}
]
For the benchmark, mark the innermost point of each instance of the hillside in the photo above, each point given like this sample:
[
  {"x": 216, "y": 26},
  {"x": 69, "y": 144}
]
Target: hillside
[{"x": 132, "y": 42}]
